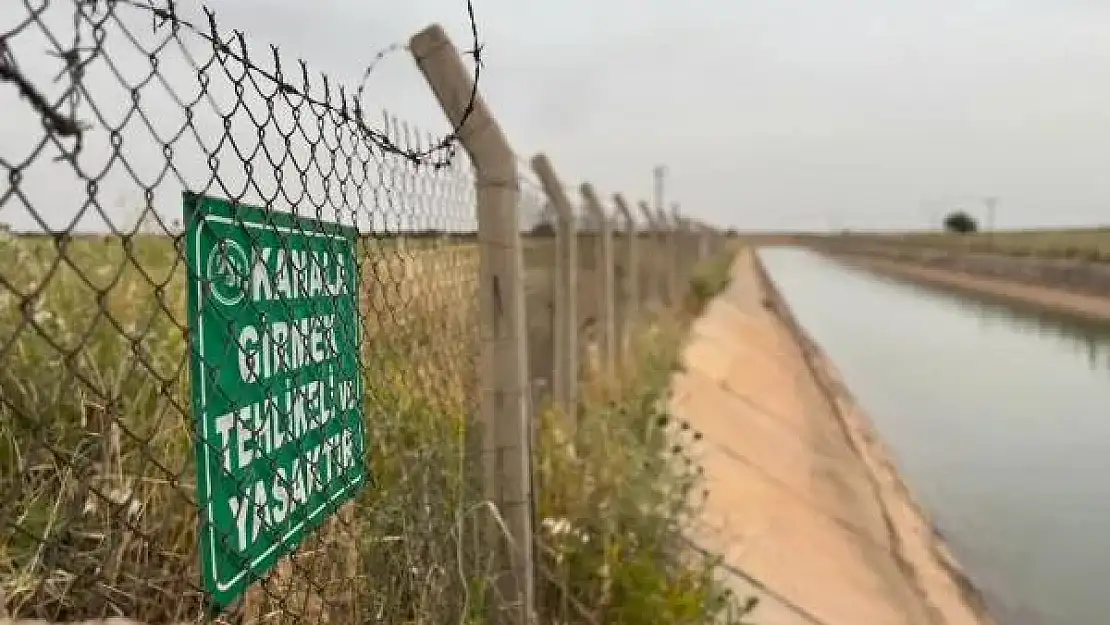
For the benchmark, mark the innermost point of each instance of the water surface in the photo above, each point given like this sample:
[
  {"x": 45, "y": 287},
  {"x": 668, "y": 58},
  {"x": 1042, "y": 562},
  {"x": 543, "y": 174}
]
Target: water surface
[{"x": 998, "y": 417}]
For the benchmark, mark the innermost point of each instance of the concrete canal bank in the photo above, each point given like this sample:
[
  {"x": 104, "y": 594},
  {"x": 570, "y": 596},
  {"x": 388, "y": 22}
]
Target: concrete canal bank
[
  {"x": 805, "y": 504},
  {"x": 1071, "y": 286},
  {"x": 1029, "y": 289}
]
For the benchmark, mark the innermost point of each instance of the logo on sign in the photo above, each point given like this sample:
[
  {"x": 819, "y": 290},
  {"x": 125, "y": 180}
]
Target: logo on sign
[{"x": 227, "y": 270}]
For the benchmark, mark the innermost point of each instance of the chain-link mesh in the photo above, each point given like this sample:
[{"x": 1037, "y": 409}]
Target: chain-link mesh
[
  {"x": 626, "y": 272},
  {"x": 588, "y": 278},
  {"x": 615, "y": 484},
  {"x": 113, "y": 143},
  {"x": 98, "y": 489}
]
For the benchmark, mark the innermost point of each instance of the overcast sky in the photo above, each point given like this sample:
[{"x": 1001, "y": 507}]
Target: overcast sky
[{"x": 768, "y": 114}]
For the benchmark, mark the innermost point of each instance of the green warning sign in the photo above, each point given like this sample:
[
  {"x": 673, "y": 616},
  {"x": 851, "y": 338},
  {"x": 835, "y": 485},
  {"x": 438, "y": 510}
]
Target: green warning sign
[{"x": 276, "y": 385}]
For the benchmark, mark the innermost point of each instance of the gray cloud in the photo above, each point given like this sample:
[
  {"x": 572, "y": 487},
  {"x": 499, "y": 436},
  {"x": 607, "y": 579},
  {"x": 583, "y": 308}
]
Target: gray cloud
[{"x": 792, "y": 114}]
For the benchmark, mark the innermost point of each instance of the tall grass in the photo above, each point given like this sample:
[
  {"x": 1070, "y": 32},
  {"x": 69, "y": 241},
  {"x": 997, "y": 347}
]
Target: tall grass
[
  {"x": 95, "y": 439},
  {"x": 710, "y": 278},
  {"x": 616, "y": 497},
  {"x": 97, "y": 484},
  {"x": 619, "y": 493}
]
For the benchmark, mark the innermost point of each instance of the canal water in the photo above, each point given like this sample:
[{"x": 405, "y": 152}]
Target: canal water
[{"x": 998, "y": 417}]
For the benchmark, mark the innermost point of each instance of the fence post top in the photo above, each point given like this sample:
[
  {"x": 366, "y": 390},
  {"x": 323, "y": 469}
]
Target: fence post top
[
  {"x": 553, "y": 188},
  {"x": 592, "y": 203},
  {"x": 427, "y": 39},
  {"x": 540, "y": 161},
  {"x": 439, "y": 61},
  {"x": 622, "y": 206}
]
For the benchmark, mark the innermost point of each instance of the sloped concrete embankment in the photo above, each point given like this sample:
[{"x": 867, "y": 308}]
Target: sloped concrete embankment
[
  {"x": 1067, "y": 287},
  {"x": 1077, "y": 287},
  {"x": 805, "y": 505}
]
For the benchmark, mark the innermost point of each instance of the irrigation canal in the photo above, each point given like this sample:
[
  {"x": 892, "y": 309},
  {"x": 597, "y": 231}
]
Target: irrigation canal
[{"x": 998, "y": 417}]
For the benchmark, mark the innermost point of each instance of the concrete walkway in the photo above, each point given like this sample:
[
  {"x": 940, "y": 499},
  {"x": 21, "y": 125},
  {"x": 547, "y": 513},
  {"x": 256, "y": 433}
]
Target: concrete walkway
[{"x": 802, "y": 498}]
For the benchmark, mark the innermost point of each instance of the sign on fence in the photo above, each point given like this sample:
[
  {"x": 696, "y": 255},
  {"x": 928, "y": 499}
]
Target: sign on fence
[{"x": 276, "y": 386}]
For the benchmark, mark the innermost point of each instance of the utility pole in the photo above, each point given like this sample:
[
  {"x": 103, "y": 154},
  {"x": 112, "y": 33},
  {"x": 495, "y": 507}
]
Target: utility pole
[
  {"x": 660, "y": 172},
  {"x": 991, "y": 203}
]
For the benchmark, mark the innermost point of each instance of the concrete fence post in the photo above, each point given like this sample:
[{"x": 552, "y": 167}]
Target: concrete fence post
[
  {"x": 704, "y": 234},
  {"x": 679, "y": 258},
  {"x": 607, "y": 284},
  {"x": 503, "y": 363},
  {"x": 566, "y": 278},
  {"x": 667, "y": 277},
  {"x": 651, "y": 291},
  {"x": 558, "y": 304},
  {"x": 630, "y": 299},
  {"x": 608, "y": 289},
  {"x": 679, "y": 248},
  {"x": 689, "y": 250}
]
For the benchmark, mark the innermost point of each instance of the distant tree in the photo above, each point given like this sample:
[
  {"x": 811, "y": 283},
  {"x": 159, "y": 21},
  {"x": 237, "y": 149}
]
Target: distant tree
[
  {"x": 543, "y": 229},
  {"x": 960, "y": 222}
]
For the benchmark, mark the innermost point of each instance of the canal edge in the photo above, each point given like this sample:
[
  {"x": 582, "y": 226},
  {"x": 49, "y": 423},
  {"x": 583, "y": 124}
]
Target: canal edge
[
  {"x": 870, "y": 450},
  {"x": 1040, "y": 296}
]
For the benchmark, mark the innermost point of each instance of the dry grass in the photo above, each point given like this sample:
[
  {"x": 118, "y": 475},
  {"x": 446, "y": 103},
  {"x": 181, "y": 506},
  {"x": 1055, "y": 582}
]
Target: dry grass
[
  {"x": 96, "y": 466},
  {"x": 97, "y": 480},
  {"x": 1085, "y": 243}
]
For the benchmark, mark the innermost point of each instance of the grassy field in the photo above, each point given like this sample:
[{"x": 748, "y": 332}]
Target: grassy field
[
  {"x": 98, "y": 484},
  {"x": 96, "y": 464},
  {"x": 1086, "y": 244}
]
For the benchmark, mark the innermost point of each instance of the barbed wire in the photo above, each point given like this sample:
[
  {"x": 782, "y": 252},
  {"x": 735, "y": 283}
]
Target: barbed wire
[{"x": 438, "y": 155}]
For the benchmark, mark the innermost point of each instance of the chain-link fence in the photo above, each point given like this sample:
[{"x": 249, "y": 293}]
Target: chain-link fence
[
  {"x": 616, "y": 486},
  {"x": 105, "y": 500},
  {"x": 239, "y": 324}
]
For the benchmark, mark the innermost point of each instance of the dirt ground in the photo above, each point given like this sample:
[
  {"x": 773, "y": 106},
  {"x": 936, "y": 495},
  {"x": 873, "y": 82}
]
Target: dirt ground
[{"x": 804, "y": 503}]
